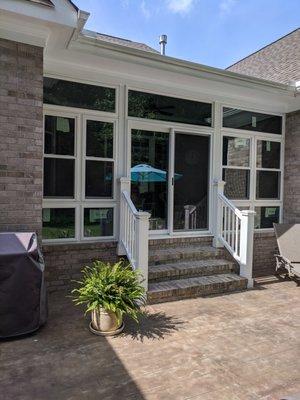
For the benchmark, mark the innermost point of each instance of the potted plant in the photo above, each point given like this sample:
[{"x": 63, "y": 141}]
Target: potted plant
[{"x": 109, "y": 292}]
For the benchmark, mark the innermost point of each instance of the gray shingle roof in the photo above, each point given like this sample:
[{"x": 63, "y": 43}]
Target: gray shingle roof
[
  {"x": 43, "y": 2},
  {"x": 119, "y": 41},
  {"x": 50, "y": 4},
  {"x": 279, "y": 61}
]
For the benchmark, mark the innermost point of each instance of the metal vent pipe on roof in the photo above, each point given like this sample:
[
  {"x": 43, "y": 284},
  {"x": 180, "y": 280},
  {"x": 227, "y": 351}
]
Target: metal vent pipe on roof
[{"x": 163, "y": 41}]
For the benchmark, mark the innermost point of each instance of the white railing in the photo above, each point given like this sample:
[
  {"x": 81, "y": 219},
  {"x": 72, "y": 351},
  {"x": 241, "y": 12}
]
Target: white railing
[
  {"x": 134, "y": 232},
  {"x": 235, "y": 231}
]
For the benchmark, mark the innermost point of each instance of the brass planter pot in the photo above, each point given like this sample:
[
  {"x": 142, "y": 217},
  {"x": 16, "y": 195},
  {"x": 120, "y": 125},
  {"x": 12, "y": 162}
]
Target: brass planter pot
[{"x": 105, "y": 323}]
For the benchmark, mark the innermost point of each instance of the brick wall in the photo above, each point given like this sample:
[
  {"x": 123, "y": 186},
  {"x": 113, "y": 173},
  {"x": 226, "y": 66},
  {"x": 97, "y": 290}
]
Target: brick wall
[
  {"x": 21, "y": 141},
  {"x": 264, "y": 248},
  {"x": 291, "y": 208},
  {"x": 65, "y": 261}
]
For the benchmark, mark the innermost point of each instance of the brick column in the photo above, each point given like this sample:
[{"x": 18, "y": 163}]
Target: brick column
[
  {"x": 291, "y": 205},
  {"x": 21, "y": 136}
]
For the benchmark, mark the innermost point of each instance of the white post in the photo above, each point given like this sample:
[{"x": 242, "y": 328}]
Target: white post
[
  {"x": 142, "y": 233},
  {"x": 124, "y": 186},
  {"x": 218, "y": 213},
  {"x": 246, "y": 245},
  {"x": 186, "y": 218}
]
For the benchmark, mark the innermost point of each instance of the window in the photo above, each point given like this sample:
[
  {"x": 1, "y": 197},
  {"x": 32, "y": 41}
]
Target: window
[
  {"x": 59, "y": 160},
  {"x": 99, "y": 171},
  {"x": 79, "y": 172},
  {"x": 98, "y": 222},
  {"x": 236, "y": 167},
  {"x": 58, "y": 223},
  {"x": 252, "y": 172},
  {"x": 265, "y": 217},
  {"x": 154, "y": 106},
  {"x": 79, "y": 95},
  {"x": 267, "y": 169},
  {"x": 251, "y": 121}
]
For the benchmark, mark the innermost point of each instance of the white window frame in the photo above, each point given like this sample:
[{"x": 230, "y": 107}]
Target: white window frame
[
  {"x": 79, "y": 202},
  {"x": 254, "y": 136}
]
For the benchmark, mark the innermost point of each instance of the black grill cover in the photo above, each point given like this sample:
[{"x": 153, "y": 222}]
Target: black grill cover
[{"x": 23, "y": 301}]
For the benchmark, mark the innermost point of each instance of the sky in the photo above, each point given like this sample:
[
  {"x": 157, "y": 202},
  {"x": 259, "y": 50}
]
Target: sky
[{"x": 210, "y": 32}]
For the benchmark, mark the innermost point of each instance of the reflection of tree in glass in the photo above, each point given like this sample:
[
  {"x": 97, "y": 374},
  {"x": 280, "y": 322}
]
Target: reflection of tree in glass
[
  {"x": 153, "y": 106},
  {"x": 99, "y": 139},
  {"x": 75, "y": 94}
]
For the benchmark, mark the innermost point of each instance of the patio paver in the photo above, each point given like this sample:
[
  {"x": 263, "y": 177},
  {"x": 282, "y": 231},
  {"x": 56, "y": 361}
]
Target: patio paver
[{"x": 240, "y": 346}]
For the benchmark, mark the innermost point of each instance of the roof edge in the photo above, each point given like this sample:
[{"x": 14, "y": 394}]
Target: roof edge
[{"x": 182, "y": 63}]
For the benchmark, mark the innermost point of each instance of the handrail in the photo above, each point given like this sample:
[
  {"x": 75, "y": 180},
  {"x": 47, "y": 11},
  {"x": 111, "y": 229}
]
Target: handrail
[
  {"x": 129, "y": 202},
  {"x": 230, "y": 205},
  {"x": 235, "y": 231},
  {"x": 134, "y": 232}
]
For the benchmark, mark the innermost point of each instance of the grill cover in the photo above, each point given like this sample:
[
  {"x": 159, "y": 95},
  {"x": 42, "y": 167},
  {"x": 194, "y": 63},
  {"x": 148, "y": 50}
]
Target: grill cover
[{"x": 23, "y": 300}]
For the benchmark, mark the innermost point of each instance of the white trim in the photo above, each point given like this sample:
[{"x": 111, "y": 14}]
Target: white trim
[
  {"x": 78, "y": 201},
  {"x": 171, "y": 129},
  {"x": 254, "y": 137}
]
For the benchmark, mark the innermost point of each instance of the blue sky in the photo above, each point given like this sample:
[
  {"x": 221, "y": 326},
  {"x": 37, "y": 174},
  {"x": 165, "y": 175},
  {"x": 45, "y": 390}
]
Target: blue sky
[{"x": 210, "y": 32}]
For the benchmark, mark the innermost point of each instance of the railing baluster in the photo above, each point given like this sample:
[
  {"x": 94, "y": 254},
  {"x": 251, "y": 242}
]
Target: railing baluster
[
  {"x": 236, "y": 234},
  {"x": 134, "y": 232},
  {"x": 236, "y": 231},
  {"x": 232, "y": 229}
]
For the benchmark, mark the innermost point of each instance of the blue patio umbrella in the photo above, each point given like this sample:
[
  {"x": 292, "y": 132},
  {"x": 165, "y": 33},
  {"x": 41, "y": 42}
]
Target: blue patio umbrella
[{"x": 145, "y": 173}]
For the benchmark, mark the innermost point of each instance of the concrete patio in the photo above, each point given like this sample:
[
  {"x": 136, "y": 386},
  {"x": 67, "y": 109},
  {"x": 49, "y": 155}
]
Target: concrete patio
[{"x": 242, "y": 346}]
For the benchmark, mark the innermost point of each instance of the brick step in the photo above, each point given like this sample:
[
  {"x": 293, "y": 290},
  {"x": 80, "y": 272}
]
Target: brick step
[
  {"x": 155, "y": 244},
  {"x": 159, "y": 292},
  {"x": 188, "y": 269},
  {"x": 177, "y": 254}
]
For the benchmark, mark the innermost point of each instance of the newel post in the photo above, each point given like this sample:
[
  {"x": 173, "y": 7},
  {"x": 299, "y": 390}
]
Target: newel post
[
  {"x": 246, "y": 245},
  {"x": 124, "y": 186},
  {"x": 142, "y": 236},
  {"x": 218, "y": 187}
]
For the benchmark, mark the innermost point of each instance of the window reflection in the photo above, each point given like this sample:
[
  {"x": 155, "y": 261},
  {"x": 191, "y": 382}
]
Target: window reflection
[
  {"x": 149, "y": 175},
  {"x": 154, "y": 106}
]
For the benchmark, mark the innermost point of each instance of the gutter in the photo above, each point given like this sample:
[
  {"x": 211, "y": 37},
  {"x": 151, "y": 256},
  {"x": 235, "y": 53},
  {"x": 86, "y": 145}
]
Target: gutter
[{"x": 172, "y": 61}]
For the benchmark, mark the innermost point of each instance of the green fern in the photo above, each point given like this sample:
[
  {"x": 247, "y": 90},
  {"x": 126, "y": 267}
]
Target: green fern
[{"x": 115, "y": 288}]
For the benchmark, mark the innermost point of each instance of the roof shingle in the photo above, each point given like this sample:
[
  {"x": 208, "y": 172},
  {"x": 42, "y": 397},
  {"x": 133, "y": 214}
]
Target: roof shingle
[
  {"x": 119, "y": 41},
  {"x": 279, "y": 61}
]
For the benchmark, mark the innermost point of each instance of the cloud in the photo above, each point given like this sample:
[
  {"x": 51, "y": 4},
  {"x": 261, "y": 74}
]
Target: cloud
[
  {"x": 145, "y": 9},
  {"x": 226, "y": 6},
  {"x": 180, "y": 6}
]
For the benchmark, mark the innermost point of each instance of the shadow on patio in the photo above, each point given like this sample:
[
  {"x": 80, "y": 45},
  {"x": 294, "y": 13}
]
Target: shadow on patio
[{"x": 63, "y": 360}]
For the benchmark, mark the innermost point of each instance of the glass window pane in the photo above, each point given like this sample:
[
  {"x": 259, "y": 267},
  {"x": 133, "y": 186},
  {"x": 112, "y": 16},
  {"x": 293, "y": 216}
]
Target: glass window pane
[
  {"x": 99, "y": 179},
  {"x": 58, "y": 223},
  {"x": 99, "y": 139},
  {"x": 98, "y": 222},
  {"x": 59, "y": 135},
  {"x": 236, "y": 151},
  {"x": 268, "y": 154},
  {"x": 58, "y": 177},
  {"x": 265, "y": 217},
  {"x": 80, "y": 95},
  {"x": 149, "y": 175},
  {"x": 267, "y": 185},
  {"x": 251, "y": 121},
  {"x": 237, "y": 183},
  {"x": 154, "y": 106}
]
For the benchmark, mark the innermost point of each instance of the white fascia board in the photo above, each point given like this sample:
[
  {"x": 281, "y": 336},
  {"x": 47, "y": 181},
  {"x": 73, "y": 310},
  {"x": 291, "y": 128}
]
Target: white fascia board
[
  {"x": 99, "y": 70},
  {"x": 12, "y": 28},
  {"x": 165, "y": 62},
  {"x": 164, "y": 74}
]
